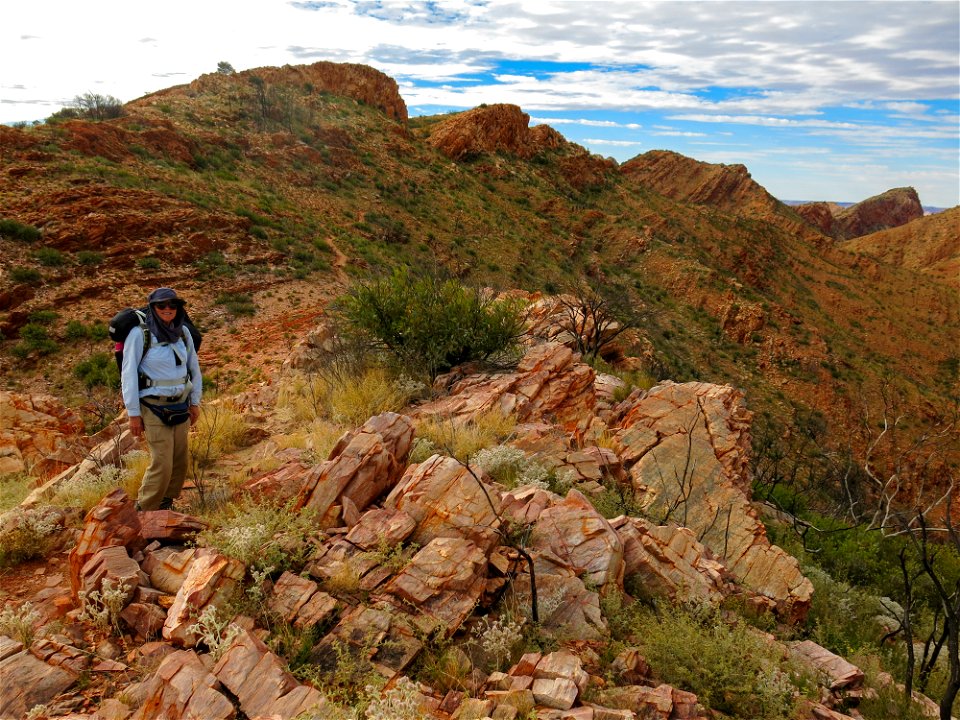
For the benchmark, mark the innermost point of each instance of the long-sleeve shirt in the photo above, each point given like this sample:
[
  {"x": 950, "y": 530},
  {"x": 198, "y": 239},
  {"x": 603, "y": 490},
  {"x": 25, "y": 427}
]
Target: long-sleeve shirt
[{"x": 159, "y": 363}]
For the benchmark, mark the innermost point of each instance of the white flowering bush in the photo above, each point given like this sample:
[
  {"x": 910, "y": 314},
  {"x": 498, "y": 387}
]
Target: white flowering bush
[
  {"x": 18, "y": 622},
  {"x": 103, "y": 607},
  {"x": 512, "y": 467},
  {"x": 27, "y": 534},
  {"x": 401, "y": 702},
  {"x": 498, "y": 638},
  {"x": 216, "y": 633},
  {"x": 261, "y": 535}
]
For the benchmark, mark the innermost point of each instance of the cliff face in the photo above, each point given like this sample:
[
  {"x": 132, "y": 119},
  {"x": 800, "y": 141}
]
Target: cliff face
[
  {"x": 888, "y": 210},
  {"x": 493, "y": 128}
]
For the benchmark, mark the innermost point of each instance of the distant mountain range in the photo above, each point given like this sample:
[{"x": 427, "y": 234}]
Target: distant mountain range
[{"x": 927, "y": 209}]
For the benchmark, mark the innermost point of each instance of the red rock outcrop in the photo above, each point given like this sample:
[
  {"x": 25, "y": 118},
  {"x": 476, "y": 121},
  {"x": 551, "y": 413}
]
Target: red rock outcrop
[
  {"x": 687, "y": 448},
  {"x": 114, "y": 522},
  {"x": 888, "y": 210},
  {"x": 493, "y": 128}
]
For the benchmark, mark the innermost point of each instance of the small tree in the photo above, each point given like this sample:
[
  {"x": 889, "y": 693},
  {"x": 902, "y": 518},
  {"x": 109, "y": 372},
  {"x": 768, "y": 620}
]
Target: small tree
[
  {"x": 225, "y": 68},
  {"x": 433, "y": 324},
  {"x": 94, "y": 106}
]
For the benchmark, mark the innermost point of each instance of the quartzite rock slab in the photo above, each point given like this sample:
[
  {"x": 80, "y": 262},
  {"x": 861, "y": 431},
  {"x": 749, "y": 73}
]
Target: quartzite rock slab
[
  {"x": 212, "y": 580},
  {"x": 669, "y": 561},
  {"x": 28, "y": 681},
  {"x": 169, "y": 525},
  {"x": 575, "y": 532},
  {"x": 687, "y": 448},
  {"x": 113, "y": 565},
  {"x": 261, "y": 683},
  {"x": 112, "y": 522},
  {"x": 167, "y": 567},
  {"x": 182, "y": 687},
  {"x": 444, "y": 580},
  {"x": 363, "y": 465},
  {"x": 446, "y": 500},
  {"x": 839, "y": 674}
]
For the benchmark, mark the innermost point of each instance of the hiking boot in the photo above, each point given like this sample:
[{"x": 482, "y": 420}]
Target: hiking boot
[
  {"x": 137, "y": 507},
  {"x": 166, "y": 504}
]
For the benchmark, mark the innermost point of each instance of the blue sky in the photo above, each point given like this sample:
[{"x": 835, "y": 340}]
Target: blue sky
[{"x": 820, "y": 100}]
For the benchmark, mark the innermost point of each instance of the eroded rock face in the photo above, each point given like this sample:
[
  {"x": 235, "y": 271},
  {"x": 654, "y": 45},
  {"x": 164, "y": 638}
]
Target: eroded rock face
[
  {"x": 488, "y": 129},
  {"x": 881, "y": 212},
  {"x": 183, "y": 687},
  {"x": 550, "y": 384},
  {"x": 687, "y": 447},
  {"x": 363, "y": 465},
  {"x": 28, "y": 681},
  {"x": 212, "y": 579},
  {"x": 37, "y": 432}
]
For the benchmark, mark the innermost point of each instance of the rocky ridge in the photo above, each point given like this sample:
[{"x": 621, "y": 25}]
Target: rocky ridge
[{"x": 451, "y": 519}]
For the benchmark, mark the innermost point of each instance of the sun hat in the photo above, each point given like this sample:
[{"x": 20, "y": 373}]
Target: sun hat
[{"x": 165, "y": 294}]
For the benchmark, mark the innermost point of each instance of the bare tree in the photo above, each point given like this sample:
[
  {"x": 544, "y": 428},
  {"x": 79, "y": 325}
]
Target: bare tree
[
  {"x": 95, "y": 106},
  {"x": 595, "y": 317}
]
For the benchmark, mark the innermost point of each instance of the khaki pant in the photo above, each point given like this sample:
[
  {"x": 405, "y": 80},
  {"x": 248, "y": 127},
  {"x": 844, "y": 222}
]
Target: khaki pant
[{"x": 168, "y": 460}]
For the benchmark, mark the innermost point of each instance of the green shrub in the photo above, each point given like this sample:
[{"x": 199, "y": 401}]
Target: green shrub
[
  {"x": 50, "y": 257},
  {"x": 100, "y": 369},
  {"x": 237, "y": 303},
  {"x": 34, "y": 338},
  {"x": 43, "y": 317},
  {"x": 90, "y": 257},
  {"x": 148, "y": 263},
  {"x": 731, "y": 668},
  {"x": 18, "y": 231},
  {"x": 25, "y": 275},
  {"x": 433, "y": 324}
]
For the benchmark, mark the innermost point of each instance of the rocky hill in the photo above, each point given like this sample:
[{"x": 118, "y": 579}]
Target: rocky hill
[
  {"x": 930, "y": 245},
  {"x": 888, "y": 210},
  {"x": 371, "y": 551}
]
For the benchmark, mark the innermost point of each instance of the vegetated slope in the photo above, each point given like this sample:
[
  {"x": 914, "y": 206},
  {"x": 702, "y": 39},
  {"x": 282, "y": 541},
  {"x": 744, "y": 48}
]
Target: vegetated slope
[
  {"x": 890, "y": 209},
  {"x": 282, "y": 184},
  {"x": 930, "y": 245}
]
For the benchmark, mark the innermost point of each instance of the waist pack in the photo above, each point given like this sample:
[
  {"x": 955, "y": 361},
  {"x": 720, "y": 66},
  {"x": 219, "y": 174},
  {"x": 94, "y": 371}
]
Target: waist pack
[{"x": 171, "y": 414}]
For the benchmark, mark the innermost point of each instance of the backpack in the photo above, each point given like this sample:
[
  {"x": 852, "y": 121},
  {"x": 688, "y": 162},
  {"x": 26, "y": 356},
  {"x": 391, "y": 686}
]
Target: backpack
[{"x": 127, "y": 319}]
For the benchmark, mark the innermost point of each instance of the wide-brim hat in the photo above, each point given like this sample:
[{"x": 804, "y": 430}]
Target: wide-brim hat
[{"x": 165, "y": 294}]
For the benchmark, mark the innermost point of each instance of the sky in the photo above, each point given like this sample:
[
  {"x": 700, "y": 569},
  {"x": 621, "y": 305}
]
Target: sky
[{"x": 821, "y": 100}]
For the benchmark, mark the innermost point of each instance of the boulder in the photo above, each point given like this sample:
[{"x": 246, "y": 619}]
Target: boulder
[
  {"x": 669, "y": 562},
  {"x": 213, "y": 579},
  {"x": 169, "y": 525},
  {"x": 113, "y": 565},
  {"x": 167, "y": 567},
  {"x": 550, "y": 384},
  {"x": 446, "y": 500},
  {"x": 182, "y": 687},
  {"x": 443, "y": 581},
  {"x": 837, "y": 674},
  {"x": 660, "y": 703},
  {"x": 38, "y": 433},
  {"x": 363, "y": 465},
  {"x": 114, "y": 521},
  {"x": 582, "y": 538}
]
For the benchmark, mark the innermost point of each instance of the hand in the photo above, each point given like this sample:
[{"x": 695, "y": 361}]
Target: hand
[
  {"x": 136, "y": 427},
  {"x": 194, "y": 414}
]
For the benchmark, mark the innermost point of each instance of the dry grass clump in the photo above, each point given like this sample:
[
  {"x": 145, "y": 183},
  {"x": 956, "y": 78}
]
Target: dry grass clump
[
  {"x": 461, "y": 440},
  {"x": 345, "y": 398}
]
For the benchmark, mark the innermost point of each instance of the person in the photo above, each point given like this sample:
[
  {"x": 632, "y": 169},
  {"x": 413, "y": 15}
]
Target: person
[{"x": 163, "y": 380}]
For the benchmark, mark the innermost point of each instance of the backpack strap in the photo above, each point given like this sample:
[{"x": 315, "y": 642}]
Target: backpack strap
[{"x": 144, "y": 380}]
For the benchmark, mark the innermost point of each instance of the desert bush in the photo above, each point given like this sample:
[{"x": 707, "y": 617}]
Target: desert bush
[
  {"x": 27, "y": 534},
  {"x": 461, "y": 440},
  {"x": 731, "y": 668},
  {"x": 90, "y": 257},
  {"x": 261, "y": 535},
  {"x": 87, "y": 489},
  {"x": 98, "y": 370},
  {"x": 34, "y": 338},
  {"x": 17, "y": 622},
  {"x": 237, "y": 303},
  {"x": 50, "y": 257},
  {"x": 432, "y": 324},
  {"x": 148, "y": 263},
  {"x": 22, "y": 274},
  {"x": 219, "y": 430},
  {"x": 498, "y": 640},
  {"x": 400, "y": 702},
  {"x": 512, "y": 467},
  {"x": 15, "y": 230},
  {"x": 94, "y": 106}
]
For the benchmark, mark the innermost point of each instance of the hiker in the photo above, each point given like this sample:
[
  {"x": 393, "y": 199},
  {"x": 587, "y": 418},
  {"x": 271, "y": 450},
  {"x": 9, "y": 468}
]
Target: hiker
[{"x": 161, "y": 390}]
